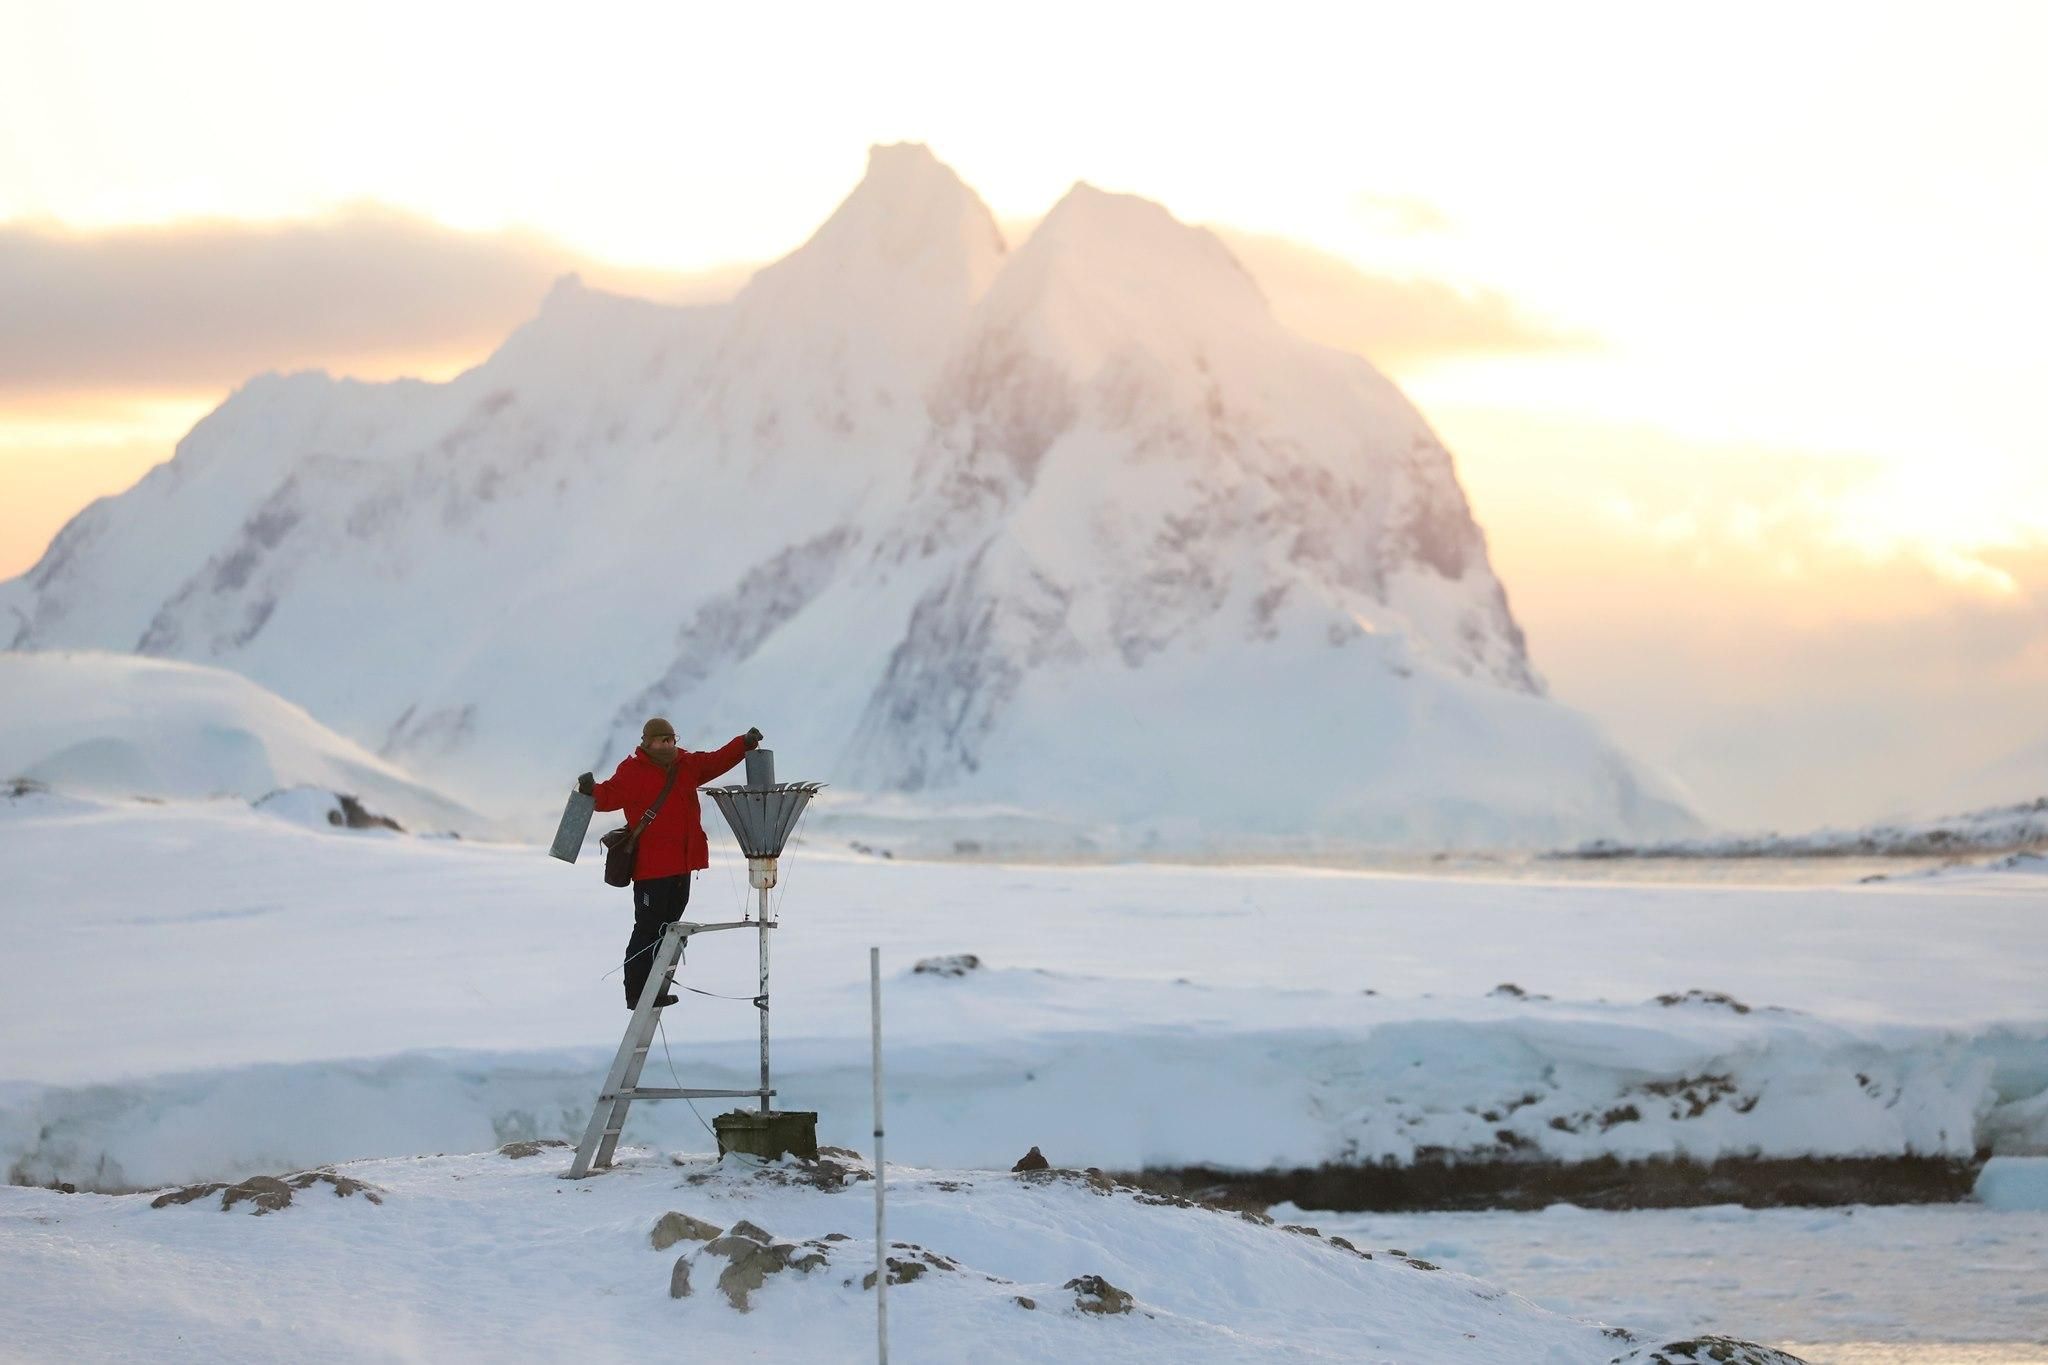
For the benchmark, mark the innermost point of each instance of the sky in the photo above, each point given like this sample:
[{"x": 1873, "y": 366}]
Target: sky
[{"x": 1731, "y": 319}]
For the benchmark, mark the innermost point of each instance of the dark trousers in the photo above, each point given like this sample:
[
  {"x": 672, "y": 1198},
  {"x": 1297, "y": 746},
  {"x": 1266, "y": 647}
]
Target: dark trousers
[{"x": 657, "y": 903}]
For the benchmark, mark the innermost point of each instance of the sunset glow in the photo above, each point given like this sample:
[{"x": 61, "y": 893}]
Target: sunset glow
[{"x": 1748, "y": 308}]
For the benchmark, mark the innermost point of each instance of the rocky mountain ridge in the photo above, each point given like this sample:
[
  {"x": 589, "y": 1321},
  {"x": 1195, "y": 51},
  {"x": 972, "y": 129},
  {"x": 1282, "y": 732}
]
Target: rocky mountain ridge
[{"x": 1074, "y": 527}]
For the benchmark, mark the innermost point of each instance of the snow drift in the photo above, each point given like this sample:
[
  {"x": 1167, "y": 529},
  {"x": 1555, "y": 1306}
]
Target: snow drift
[{"x": 118, "y": 725}]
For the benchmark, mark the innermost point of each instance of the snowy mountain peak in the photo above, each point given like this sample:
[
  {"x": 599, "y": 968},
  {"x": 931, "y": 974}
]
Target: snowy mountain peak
[
  {"x": 845, "y": 332},
  {"x": 910, "y": 224},
  {"x": 564, "y": 291},
  {"x": 1105, "y": 272},
  {"x": 1143, "y": 237},
  {"x": 902, "y": 171}
]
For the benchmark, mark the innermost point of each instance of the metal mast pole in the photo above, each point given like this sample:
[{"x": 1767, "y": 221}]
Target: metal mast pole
[
  {"x": 881, "y": 1235},
  {"x": 762, "y": 1002}
]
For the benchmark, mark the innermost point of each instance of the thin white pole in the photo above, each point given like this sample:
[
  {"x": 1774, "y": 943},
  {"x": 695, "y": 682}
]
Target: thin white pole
[
  {"x": 881, "y": 1236},
  {"x": 766, "y": 925}
]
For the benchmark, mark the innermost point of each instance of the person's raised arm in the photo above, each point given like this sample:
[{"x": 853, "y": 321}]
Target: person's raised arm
[
  {"x": 609, "y": 794},
  {"x": 718, "y": 762}
]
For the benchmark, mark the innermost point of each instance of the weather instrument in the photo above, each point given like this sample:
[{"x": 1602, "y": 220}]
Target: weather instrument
[{"x": 762, "y": 814}]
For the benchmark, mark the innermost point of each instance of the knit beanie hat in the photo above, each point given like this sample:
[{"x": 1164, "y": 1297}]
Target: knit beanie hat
[{"x": 656, "y": 728}]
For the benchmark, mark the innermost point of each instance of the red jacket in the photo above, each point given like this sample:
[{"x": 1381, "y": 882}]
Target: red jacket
[{"x": 674, "y": 843}]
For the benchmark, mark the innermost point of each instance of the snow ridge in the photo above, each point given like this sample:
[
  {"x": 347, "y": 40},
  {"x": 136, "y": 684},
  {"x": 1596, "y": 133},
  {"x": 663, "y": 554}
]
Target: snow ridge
[{"x": 116, "y": 725}]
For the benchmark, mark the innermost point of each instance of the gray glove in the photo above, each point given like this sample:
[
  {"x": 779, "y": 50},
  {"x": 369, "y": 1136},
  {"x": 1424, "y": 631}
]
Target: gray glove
[
  {"x": 587, "y": 784},
  {"x": 754, "y": 737}
]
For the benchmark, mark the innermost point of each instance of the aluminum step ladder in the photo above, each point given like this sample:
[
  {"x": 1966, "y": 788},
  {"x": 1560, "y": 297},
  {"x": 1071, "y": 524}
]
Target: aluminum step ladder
[{"x": 622, "y": 1085}]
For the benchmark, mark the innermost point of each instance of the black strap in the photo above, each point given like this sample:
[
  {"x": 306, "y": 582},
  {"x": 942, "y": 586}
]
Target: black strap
[{"x": 648, "y": 818}]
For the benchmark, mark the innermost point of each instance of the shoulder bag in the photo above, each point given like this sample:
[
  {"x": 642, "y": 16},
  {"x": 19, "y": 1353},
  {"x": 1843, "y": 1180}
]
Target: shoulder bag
[{"x": 620, "y": 844}]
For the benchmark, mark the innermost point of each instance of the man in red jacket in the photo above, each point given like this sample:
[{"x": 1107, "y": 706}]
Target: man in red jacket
[{"x": 672, "y": 846}]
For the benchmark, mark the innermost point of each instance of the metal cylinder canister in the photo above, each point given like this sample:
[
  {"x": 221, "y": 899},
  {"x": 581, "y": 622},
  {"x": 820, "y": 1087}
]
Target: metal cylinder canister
[{"x": 575, "y": 824}]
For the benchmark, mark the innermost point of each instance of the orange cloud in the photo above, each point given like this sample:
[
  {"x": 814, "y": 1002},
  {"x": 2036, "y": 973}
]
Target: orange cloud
[{"x": 203, "y": 305}]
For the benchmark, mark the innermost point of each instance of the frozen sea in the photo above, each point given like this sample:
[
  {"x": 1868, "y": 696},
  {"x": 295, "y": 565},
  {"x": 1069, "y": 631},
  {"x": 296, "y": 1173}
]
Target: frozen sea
[{"x": 1954, "y": 1284}]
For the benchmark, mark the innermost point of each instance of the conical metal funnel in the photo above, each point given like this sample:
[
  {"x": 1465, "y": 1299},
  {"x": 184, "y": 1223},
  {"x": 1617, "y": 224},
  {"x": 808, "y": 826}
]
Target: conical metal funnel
[{"x": 763, "y": 813}]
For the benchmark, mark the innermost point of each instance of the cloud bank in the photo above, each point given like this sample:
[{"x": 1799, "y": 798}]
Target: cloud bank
[
  {"x": 1391, "y": 320},
  {"x": 207, "y": 304},
  {"x": 204, "y": 305}
]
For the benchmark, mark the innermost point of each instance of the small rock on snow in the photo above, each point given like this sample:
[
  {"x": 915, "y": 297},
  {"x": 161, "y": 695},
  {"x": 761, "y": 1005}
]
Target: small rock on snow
[
  {"x": 954, "y": 964},
  {"x": 674, "y": 1227}
]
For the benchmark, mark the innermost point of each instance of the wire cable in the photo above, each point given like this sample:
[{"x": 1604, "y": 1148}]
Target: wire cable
[{"x": 677, "y": 1078}]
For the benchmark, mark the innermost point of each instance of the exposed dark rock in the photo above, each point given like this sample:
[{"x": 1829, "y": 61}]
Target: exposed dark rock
[
  {"x": 1155, "y": 1197},
  {"x": 955, "y": 964},
  {"x": 914, "y": 1262},
  {"x": 679, "y": 1278},
  {"x": 1694, "y": 1094},
  {"x": 1093, "y": 1178},
  {"x": 825, "y": 1172},
  {"x": 1033, "y": 1160},
  {"x": 900, "y": 1272},
  {"x": 1093, "y": 1294},
  {"x": 1708, "y": 1350},
  {"x": 1023, "y": 1302},
  {"x": 1449, "y": 1183},
  {"x": 267, "y": 1193},
  {"x": 752, "y": 1232},
  {"x": 748, "y": 1266},
  {"x": 529, "y": 1147},
  {"x": 1700, "y": 997},
  {"x": 751, "y": 1255},
  {"x": 356, "y": 816},
  {"x": 673, "y": 1227}
]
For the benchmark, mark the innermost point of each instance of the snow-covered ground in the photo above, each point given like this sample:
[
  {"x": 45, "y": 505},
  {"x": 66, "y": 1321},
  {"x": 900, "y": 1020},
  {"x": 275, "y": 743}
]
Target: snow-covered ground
[
  {"x": 201, "y": 990},
  {"x": 491, "y": 1258},
  {"x": 205, "y": 990}
]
